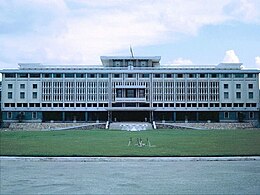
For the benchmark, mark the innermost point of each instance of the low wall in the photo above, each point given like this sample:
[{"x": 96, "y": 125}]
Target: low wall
[
  {"x": 83, "y": 126},
  {"x": 55, "y": 126},
  {"x": 206, "y": 125}
]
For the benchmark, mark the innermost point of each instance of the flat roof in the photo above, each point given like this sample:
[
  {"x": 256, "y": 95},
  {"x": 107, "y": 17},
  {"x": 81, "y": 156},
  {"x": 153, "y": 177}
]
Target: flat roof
[
  {"x": 153, "y": 58},
  {"x": 221, "y": 67}
]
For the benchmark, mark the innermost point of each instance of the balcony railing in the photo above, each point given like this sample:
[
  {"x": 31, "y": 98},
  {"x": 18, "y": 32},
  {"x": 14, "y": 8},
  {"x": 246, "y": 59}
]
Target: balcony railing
[
  {"x": 130, "y": 86},
  {"x": 130, "y": 100}
]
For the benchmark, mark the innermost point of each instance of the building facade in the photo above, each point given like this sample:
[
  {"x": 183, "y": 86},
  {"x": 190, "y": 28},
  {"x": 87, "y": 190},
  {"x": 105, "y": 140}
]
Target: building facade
[{"x": 130, "y": 89}]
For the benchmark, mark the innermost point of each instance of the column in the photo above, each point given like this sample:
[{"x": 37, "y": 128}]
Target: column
[
  {"x": 63, "y": 116},
  {"x": 174, "y": 116},
  {"x": 197, "y": 116},
  {"x": 86, "y": 116},
  {"x": 109, "y": 116},
  {"x": 151, "y": 116}
]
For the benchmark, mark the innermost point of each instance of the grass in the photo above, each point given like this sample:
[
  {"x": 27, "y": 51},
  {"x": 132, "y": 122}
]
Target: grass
[{"x": 115, "y": 143}]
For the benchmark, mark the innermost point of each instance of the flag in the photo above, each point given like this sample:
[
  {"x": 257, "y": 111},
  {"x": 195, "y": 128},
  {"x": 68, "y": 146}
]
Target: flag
[{"x": 131, "y": 51}]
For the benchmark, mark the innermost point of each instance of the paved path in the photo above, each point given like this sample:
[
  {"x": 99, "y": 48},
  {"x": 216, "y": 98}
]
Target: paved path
[{"x": 129, "y": 177}]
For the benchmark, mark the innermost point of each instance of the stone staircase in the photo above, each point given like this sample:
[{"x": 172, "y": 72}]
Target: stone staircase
[{"x": 131, "y": 126}]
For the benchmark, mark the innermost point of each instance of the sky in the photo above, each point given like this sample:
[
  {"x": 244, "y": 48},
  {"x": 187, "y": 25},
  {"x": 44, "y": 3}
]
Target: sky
[{"x": 80, "y": 31}]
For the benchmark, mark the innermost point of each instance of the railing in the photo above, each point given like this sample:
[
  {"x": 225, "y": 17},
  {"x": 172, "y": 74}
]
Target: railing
[
  {"x": 130, "y": 86},
  {"x": 130, "y": 99}
]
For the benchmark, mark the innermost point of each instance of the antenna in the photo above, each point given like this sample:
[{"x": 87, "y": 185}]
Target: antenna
[{"x": 131, "y": 51}]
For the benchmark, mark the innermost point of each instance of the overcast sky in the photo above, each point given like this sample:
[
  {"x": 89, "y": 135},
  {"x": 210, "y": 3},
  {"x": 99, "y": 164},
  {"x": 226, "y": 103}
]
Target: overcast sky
[{"x": 80, "y": 31}]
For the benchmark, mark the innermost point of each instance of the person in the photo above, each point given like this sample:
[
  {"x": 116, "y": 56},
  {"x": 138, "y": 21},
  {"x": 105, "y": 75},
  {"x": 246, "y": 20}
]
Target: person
[
  {"x": 130, "y": 141},
  {"x": 138, "y": 143},
  {"x": 141, "y": 142}
]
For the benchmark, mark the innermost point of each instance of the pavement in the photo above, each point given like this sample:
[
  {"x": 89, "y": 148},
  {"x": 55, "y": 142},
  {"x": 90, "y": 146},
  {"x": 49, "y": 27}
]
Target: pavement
[{"x": 104, "y": 175}]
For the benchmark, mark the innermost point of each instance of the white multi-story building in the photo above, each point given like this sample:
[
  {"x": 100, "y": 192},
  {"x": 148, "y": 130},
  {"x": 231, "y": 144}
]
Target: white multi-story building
[{"x": 130, "y": 89}]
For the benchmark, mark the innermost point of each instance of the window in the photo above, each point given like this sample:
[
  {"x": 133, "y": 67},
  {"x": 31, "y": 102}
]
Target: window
[
  {"x": 250, "y": 86},
  {"x": 225, "y": 95},
  {"x": 169, "y": 75},
  {"x": 141, "y": 93},
  {"x": 10, "y": 95},
  {"x": 143, "y": 63},
  {"x": 238, "y": 95},
  {"x": 192, "y": 75},
  {"x": 203, "y": 75},
  {"x": 9, "y": 115},
  {"x": 250, "y": 95},
  {"x": 34, "y": 95},
  {"x": 225, "y": 86},
  {"x": 22, "y": 86},
  {"x": 103, "y": 75},
  {"x": 214, "y": 75},
  {"x": 226, "y": 115},
  {"x": 22, "y": 95},
  {"x": 238, "y": 86},
  {"x": 116, "y": 75},
  {"x": 46, "y": 75},
  {"x": 69, "y": 75},
  {"x": 130, "y": 63},
  {"x": 34, "y": 115},
  {"x": 130, "y": 93},
  {"x": 117, "y": 63},
  {"x": 226, "y": 75},
  {"x": 79, "y": 75},
  {"x": 35, "y": 75},
  {"x": 144, "y": 75},
  {"x": 130, "y": 75},
  {"x": 119, "y": 93},
  {"x": 23, "y": 75},
  {"x": 180, "y": 76},
  {"x": 251, "y": 115},
  {"x": 9, "y": 75},
  {"x": 34, "y": 86},
  {"x": 250, "y": 75},
  {"x": 91, "y": 75},
  {"x": 57, "y": 75},
  {"x": 157, "y": 75},
  {"x": 10, "y": 86},
  {"x": 239, "y": 75}
]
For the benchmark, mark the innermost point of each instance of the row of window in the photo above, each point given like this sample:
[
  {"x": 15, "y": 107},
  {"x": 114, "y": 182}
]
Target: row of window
[
  {"x": 226, "y": 86},
  {"x": 10, "y": 115},
  {"x": 250, "y": 116},
  {"x": 106, "y": 75},
  {"x": 166, "y": 105},
  {"x": 120, "y": 63},
  {"x": 55, "y": 105},
  {"x": 238, "y": 95},
  {"x": 131, "y": 94},
  {"x": 22, "y": 86},
  {"x": 22, "y": 95},
  {"x": 238, "y": 86},
  {"x": 34, "y": 115}
]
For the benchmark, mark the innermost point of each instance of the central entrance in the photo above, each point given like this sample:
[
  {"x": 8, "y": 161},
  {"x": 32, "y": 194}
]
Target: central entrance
[{"x": 139, "y": 116}]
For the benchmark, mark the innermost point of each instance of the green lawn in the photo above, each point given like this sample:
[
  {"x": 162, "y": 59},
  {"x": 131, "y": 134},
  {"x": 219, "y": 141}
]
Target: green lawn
[{"x": 115, "y": 143}]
